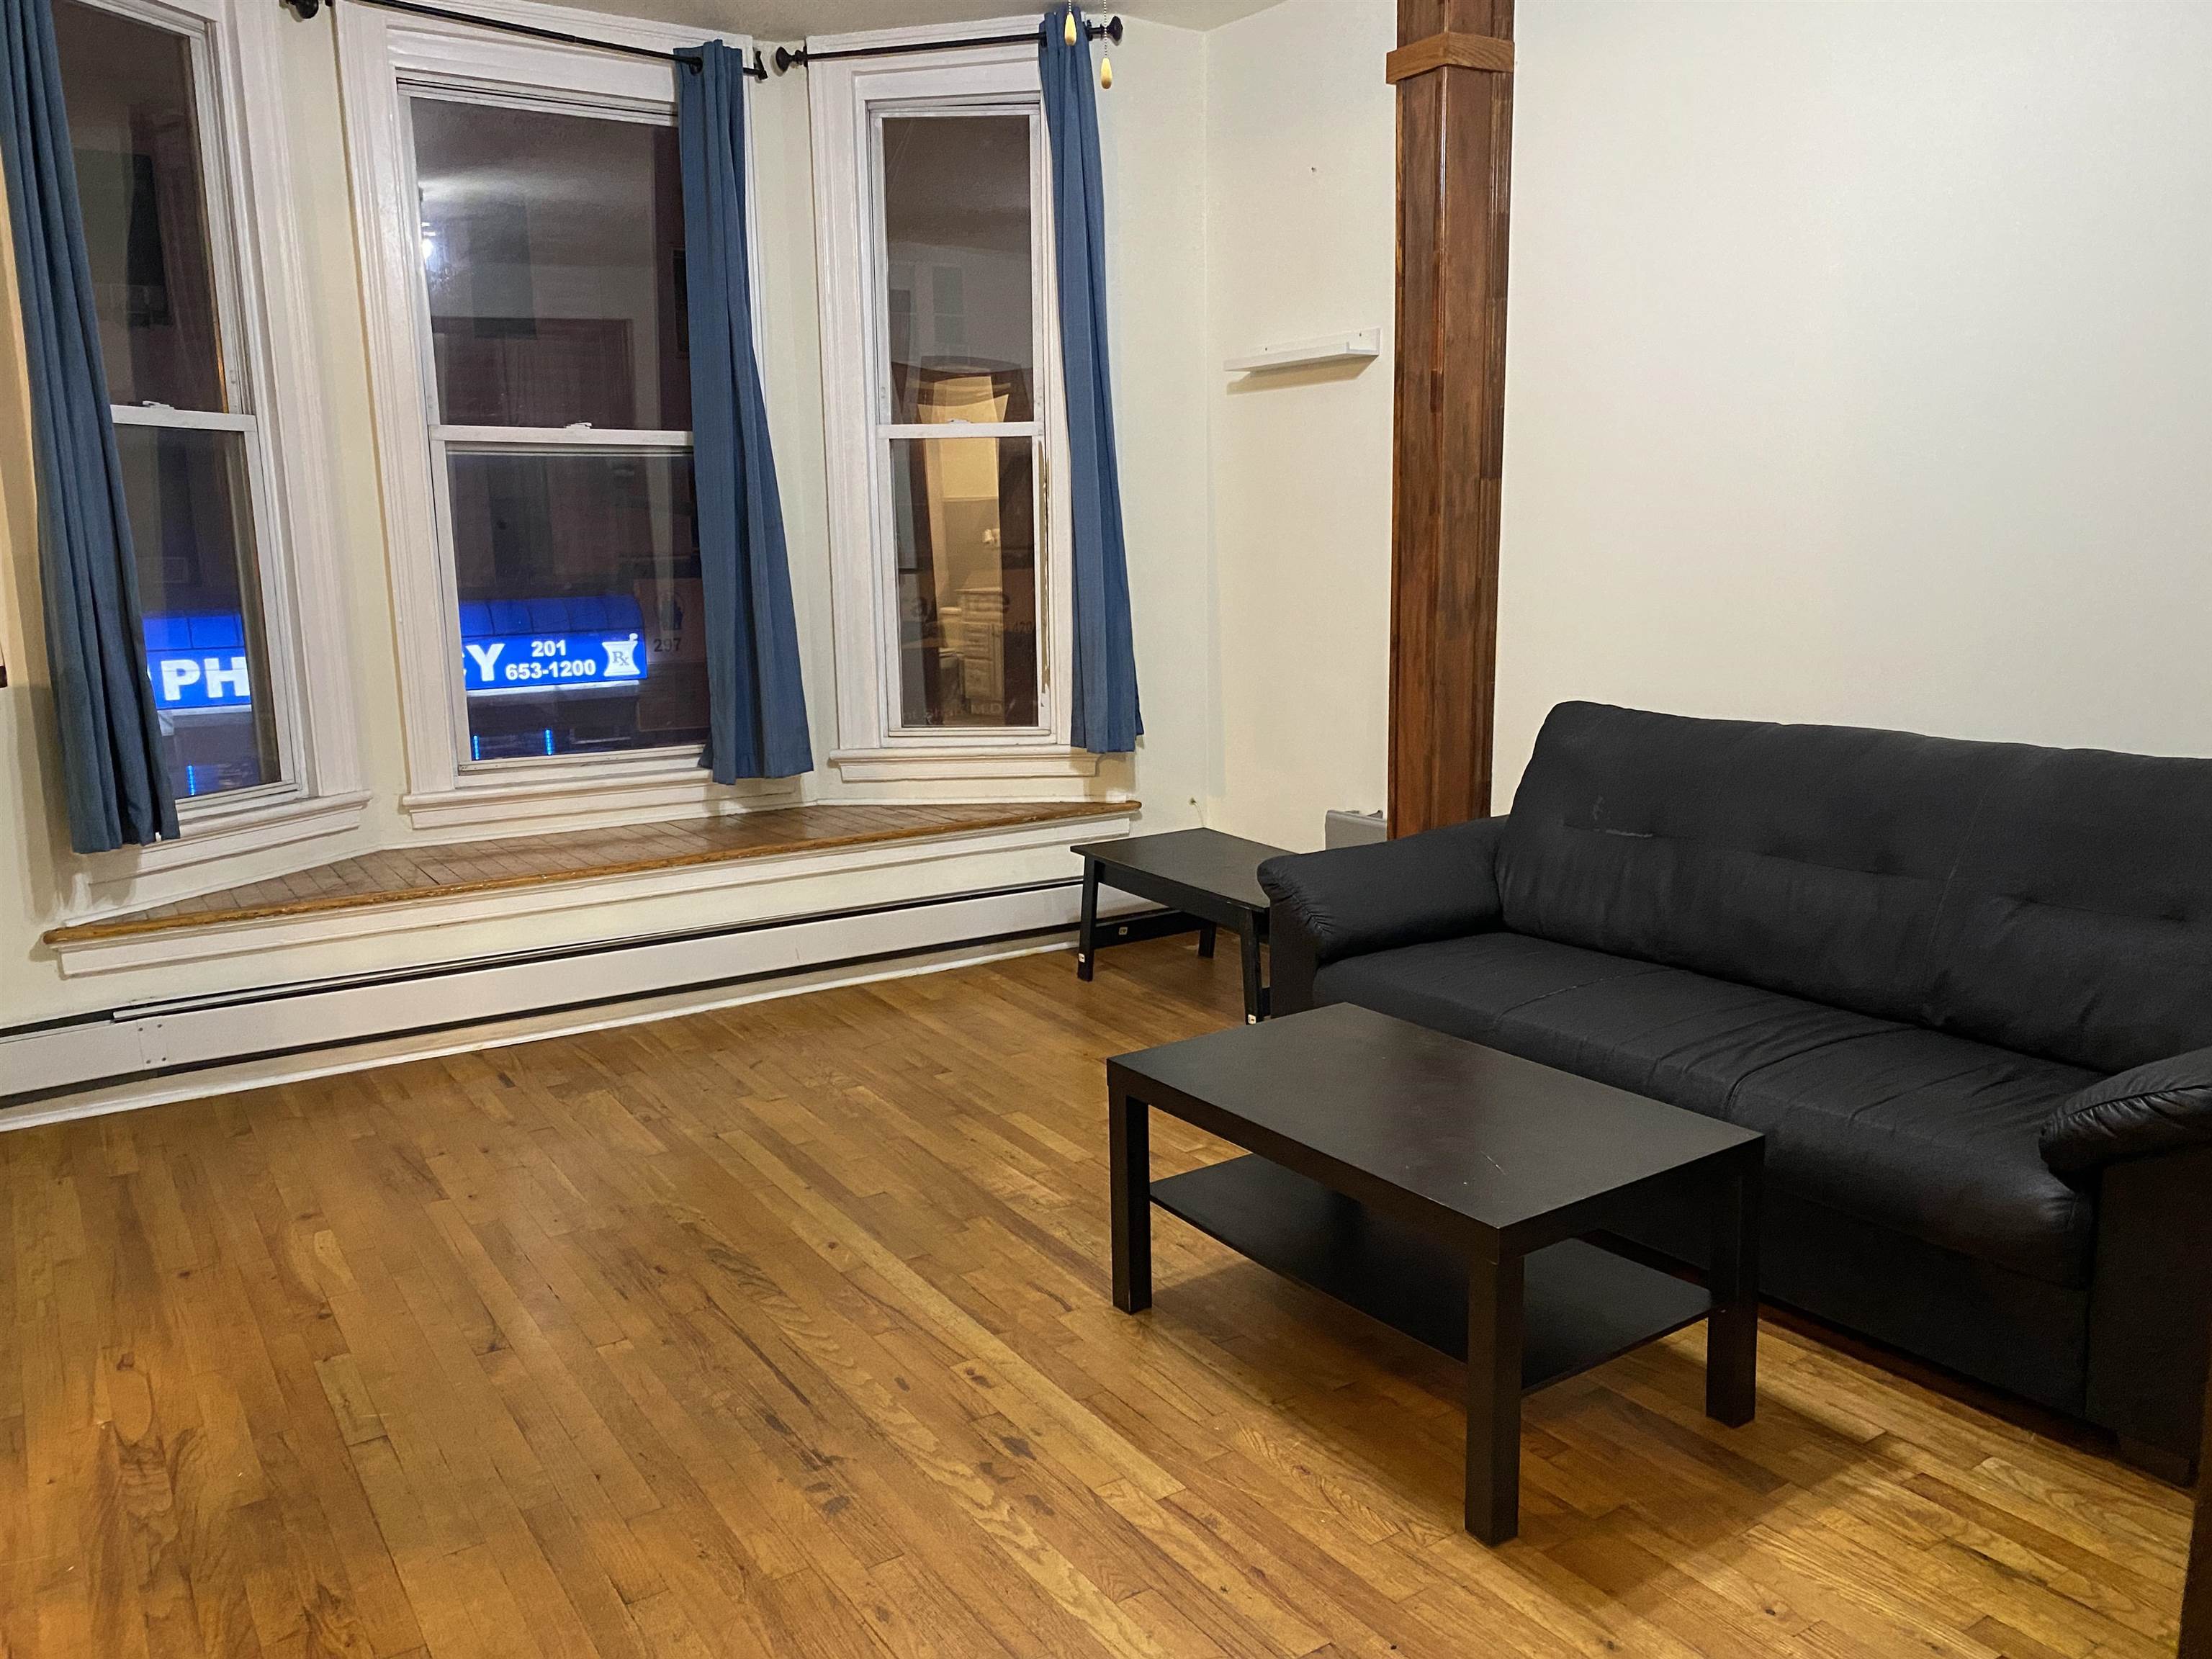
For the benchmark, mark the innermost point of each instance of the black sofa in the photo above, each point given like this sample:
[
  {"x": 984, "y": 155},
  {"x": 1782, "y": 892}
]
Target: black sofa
[{"x": 1964, "y": 989}]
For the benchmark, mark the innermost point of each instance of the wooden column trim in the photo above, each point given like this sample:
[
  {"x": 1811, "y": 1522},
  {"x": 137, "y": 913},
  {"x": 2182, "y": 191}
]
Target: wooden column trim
[
  {"x": 1449, "y": 49},
  {"x": 1454, "y": 88}
]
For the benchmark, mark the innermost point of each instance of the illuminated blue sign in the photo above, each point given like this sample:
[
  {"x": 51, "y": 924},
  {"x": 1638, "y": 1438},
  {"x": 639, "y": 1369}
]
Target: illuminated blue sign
[
  {"x": 198, "y": 662},
  {"x": 542, "y": 644}
]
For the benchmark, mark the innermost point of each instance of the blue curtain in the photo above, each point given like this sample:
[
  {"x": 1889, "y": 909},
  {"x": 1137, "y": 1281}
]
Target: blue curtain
[
  {"x": 111, "y": 734},
  {"x": 1106, "y": 719},
  {"x": 758, "y": 706}
]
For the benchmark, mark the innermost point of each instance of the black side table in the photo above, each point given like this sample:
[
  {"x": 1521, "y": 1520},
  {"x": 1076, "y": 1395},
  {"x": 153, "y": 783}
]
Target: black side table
[{"x": 1207, "y": 879}]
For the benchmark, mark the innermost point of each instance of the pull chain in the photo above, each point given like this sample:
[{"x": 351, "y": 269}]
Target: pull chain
[{"x": 1105, "y": 62}]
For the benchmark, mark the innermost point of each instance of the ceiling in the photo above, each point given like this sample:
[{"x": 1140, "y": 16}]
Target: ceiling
[{"x": 794, "y": 20}]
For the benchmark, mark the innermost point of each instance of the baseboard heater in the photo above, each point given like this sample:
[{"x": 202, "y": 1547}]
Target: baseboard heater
[{"x": 156, "y": 1040}]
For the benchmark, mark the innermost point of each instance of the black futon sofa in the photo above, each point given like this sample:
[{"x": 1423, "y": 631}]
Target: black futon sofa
[{"x": 1965, "y": 989}]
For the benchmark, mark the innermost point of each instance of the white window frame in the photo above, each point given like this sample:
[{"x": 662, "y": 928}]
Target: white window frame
[
  {"x": 849, "y": 97},
  {"x": 385, "y": 57},
  {"x": 273, "y": 381}
]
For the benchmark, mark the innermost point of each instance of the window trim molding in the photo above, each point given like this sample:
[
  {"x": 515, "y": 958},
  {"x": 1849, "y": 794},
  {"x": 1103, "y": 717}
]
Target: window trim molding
[
  {"x": 254, "y": 233},
  {"x": 379, "y": 51},
  {"x": 843, "y": 92}
]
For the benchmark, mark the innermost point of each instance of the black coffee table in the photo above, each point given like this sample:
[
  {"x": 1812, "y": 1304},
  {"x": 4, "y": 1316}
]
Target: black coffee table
[
  {"x": 1444, "y": 1189},
  {"x": 1207, "y": 879}
]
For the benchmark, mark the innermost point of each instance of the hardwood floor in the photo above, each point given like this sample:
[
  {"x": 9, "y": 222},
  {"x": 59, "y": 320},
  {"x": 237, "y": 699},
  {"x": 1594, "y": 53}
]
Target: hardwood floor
[{"x": 785, "y": 1330}]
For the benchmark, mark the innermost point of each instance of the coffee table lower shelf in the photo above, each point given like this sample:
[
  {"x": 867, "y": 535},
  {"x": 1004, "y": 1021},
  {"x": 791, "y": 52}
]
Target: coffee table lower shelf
[{"x": 1583, "y": 1305}]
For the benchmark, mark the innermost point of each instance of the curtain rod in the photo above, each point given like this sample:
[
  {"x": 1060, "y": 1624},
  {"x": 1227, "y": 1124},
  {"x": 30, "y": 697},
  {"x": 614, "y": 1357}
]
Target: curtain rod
[
  {"x": 757, "y": 70},
  {"x": 787, "y": 59}
]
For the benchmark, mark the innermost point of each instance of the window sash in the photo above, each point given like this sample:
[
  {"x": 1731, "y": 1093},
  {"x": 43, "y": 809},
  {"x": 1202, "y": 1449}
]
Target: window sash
[
  {"x": 1045, "y": 395},
  {"x": 442, "y": 438},
  {"x": 219, "y": 203},
  {"x": 479, "y": 440},
  {"x": 892, "y": 644}
]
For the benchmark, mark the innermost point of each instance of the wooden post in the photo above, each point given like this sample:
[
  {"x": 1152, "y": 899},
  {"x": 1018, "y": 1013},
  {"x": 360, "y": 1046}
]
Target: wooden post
[{"x": 1453, "y": 70}]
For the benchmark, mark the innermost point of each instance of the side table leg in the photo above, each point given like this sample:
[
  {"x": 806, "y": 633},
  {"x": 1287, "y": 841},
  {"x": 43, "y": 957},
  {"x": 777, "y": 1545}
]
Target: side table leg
[
  {"x": 1205, "y": 940},
  {"x": 1732, "y": 1328},
  {"x": 1128, "y": 1134},
  {"x": 1494, "y": 1398},
  {"x": 1255, "y": 996},
  {"x": 1086, "y": 933}
]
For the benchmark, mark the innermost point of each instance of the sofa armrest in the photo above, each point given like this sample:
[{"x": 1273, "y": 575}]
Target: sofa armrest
[
  {"x": 1350, "y": 900},
  {"x": 2163, "y": 1107}
]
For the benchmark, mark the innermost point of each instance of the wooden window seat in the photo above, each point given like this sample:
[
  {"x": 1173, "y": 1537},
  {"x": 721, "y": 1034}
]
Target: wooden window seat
[{"x": 407, "y": 875}]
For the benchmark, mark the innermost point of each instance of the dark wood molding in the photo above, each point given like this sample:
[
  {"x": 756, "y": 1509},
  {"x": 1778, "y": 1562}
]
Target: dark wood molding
[
  {"x": 1455, "y": 172},
  {"x": 1449, "y": 49}
]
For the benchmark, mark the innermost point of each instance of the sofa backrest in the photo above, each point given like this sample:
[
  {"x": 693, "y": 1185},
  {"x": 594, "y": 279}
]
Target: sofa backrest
[{"x": 2056, "y": 902}]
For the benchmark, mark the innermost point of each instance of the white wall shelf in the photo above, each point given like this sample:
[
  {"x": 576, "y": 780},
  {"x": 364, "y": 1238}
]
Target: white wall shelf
[{"x": 1355, "y": 346}]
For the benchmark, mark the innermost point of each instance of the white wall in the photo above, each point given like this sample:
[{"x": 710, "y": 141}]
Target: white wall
[
  {"x": 1151, "y": 124},
  {"x": 1300, "y": 241},
  {"x": 1861, "y": 368}
]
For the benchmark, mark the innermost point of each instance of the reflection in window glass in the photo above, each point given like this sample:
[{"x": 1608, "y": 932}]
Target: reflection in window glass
[
  {"x": 581, "y": 616},
  {"x": 957, "y": 245},
  {"x": 128, "y": 88},
  {"x": 199, "y": 591},
  {"x": 963, "y": 517},
  {"x": 553, "y": 247}
]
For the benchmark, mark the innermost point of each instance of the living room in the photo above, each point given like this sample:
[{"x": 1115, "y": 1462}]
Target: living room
[{"x": 675, "y": 676}]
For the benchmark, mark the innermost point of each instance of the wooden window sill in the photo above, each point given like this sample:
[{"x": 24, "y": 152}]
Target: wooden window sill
[{"x": 402, "y": 888}]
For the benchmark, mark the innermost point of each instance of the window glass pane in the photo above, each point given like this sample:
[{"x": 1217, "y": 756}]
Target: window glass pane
[
  {"x": 553, "y": 247},
  {"x": 128, "y": 88},
  {"x": 580, "y": 610},
  {"x": 963, "y": 515},
  {"x": 957, "y": 238},
  {"x": 198, "y": 588}
]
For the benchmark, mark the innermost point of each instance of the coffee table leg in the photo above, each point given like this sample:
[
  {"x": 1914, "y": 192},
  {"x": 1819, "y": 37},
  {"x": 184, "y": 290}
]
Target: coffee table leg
[
  {"x": 1128, "y": 1133},
  {"x": 1494, "y": 1398},
  {"x": 1087, "y": 935},
  {"x": 1255, "y": 999},
  {"x": 1732, "y": 1328}
]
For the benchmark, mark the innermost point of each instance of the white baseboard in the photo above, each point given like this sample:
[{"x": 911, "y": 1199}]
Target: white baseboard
[{"x": 156, "y": 1054}]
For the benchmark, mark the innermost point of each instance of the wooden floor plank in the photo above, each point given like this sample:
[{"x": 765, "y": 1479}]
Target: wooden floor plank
[{"x": 783, "y": 1329}]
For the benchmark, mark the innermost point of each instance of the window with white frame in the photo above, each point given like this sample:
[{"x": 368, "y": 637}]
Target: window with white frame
[
  {"x": 534, "y": 392},
  {"x": 943, "y": 392},
  {"x": 186, "y": 228}
]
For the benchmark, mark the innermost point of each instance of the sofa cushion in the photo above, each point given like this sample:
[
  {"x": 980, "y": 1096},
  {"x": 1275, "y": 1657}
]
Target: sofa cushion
[
  {"x": 1929, "y": 1135},
  {"x": 2078, "y": 923},
  {"x": 1804, "y": 859},
  {"x": 2053, "y": 901}
]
